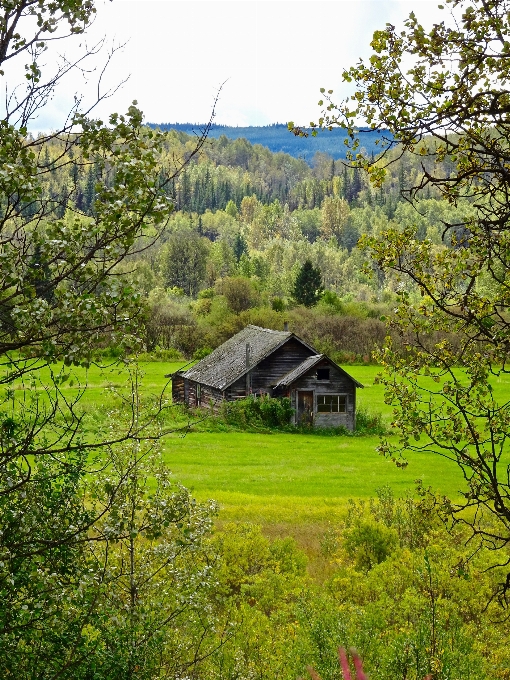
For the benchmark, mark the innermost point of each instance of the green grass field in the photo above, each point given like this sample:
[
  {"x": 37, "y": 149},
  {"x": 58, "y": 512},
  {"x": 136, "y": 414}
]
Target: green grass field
[
  {"x": 283, "y": 477},
  {"x": 278, "y": 479},
  {"x": 291, "y": 484}
]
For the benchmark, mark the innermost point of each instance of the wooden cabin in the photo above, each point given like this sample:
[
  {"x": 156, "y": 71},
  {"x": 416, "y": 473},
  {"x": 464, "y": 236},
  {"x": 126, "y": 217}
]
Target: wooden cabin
[{"x": 259, "y": 361}]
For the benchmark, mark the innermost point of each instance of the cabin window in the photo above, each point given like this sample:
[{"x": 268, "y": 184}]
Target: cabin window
[
  {"x": 199, "y": 393},
  {"x": 331, "y": 403},
  {"x": 323, "y": 374}
]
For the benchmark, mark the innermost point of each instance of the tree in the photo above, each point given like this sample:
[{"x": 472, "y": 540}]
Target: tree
[
  {"x": 239, "y": 293},
  {"x": 240, "y": 246},
  {"x": 334, "y": 217},
  {"x": 184, "y": 261},
  {"x": 231, "y": 209},
  {"x": 154, "y": 613},
  {"x": 62, "y": 296},
  {"x": 448, "y": 106},
  {"x": 308, "y": 286}
]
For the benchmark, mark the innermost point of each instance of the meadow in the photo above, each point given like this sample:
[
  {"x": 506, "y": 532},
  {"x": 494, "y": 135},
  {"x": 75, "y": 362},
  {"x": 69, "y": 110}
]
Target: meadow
[
  {"x": 273, "y": 476},
  {"x": 289, "y": 483}
]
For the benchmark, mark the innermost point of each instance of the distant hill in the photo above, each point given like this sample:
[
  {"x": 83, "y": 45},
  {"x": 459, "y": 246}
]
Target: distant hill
[{"x": 277, "y": 138}]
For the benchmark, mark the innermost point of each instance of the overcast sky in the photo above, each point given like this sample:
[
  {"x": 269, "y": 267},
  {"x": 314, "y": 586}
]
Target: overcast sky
[{"x": 271, "y": 56}]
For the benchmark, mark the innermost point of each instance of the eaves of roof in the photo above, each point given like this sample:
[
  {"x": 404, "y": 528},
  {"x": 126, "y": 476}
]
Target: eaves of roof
[{"x": 293, "y": 375}]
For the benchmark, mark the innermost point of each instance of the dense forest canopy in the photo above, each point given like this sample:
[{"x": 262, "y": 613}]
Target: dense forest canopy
[{"x": 244, "y": 216}]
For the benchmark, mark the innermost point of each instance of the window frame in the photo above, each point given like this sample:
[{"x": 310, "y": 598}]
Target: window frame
[{"x": 323, "y": 400}]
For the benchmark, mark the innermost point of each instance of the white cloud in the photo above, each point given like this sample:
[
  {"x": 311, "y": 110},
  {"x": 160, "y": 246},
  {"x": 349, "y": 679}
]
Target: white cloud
[{"x": 274, "y": 56}]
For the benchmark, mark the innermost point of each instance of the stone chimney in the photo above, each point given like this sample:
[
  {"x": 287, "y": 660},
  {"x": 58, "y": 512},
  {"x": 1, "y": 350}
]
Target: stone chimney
[
  {"x": 248, "y": 355},
  {"x": 286, "y": 326}
]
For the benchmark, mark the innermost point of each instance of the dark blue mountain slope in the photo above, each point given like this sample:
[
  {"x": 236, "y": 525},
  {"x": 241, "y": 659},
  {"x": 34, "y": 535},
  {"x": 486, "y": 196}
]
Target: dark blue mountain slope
[{"x": 277, "y": 138}]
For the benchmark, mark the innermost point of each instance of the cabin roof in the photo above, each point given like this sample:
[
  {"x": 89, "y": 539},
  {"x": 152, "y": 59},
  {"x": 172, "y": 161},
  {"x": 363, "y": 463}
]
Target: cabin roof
[
  {"x": 227, "y": 363},
  {"x": 296, "y": 373}
]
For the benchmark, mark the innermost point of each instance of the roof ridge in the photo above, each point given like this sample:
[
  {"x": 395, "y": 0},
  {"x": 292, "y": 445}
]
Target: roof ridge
[{"x": 268, "y": 330}]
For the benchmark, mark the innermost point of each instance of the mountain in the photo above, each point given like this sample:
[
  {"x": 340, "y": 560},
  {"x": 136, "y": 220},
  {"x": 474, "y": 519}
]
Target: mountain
[{"x": 277, "y": 138}]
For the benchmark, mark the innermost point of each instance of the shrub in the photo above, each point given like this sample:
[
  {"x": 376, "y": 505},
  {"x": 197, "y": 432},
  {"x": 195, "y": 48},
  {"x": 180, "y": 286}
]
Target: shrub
[
  {"x": 189, "y": 338},
  {"x": 275, "y": 412},
  {"x": 369, "y": 543},
  {"x": 239, "y": 292},
  {"x": 277, "y": 304},
  {"x": 330, "y": 299},
  {"x": 201, "y": 353},
  {"x": 112, "y": 352},
  {"x": 165, "y": 319},
  {"x": 159, "y": 354},
  {"x": 206, "y": 294},
  {"x": 264, "y": 411},
  {"x": 344, "y": 337}
]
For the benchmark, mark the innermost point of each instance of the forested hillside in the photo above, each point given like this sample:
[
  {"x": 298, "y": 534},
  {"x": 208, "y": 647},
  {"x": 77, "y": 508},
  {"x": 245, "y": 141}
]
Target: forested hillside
[
  {"x": 245, "y": 222},
  {"x": 277, "y": 139}
]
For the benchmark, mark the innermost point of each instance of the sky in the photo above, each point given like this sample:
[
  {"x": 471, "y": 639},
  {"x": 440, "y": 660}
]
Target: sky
[{"x": 265, "y": 60}]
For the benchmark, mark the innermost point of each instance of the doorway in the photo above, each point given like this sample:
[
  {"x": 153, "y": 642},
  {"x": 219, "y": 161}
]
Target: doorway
[{"x": 305, "y": 408}]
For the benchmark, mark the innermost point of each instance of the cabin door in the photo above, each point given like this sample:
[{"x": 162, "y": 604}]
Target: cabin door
[{"x": 305, "y": 408}]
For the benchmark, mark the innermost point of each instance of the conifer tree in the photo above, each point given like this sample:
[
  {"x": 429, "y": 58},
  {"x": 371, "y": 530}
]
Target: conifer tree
[
  {"x": 308, "y": 286},
  {"x": 346, "y": 185},
  {"x": 240, "y": 246},
  {"x": 90, "y": 190}
]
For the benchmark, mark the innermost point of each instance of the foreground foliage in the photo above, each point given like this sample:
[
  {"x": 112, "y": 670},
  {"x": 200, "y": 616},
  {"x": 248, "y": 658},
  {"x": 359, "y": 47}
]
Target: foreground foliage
[
  {"x": 62, "y": 299},
  {"x": 403, "y": 592},
  {"x": 448, "y": 105}
]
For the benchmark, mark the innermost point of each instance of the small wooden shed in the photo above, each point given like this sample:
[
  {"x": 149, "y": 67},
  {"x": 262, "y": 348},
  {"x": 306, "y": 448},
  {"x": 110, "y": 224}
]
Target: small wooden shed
[{"x": 260, "y": 361}]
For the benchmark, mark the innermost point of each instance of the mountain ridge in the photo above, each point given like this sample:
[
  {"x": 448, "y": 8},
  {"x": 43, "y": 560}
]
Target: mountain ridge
[{"x": 277, "y": 138}]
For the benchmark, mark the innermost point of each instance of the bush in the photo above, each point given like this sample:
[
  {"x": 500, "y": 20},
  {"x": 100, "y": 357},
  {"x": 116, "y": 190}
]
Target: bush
[
  {"x": 239, "y": 293},
  {"x": 206, "y": 294},
  {"x": 369, "y": 543},
  {"x": 278, "y": 304},
  {"x": 367, "y": 423},
  {"x": 111, "y": 352},
  {"x": 344, "y": 337},
  {"x": 201, "y": 353},
  {"x": 275, "y": 412},
  {"x": 255, "y": 412},
  {"x": 330, "y": 299},
  {"x": 165, "y": 319}
]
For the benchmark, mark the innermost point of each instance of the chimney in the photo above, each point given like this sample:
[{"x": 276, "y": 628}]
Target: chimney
[
  {"x": 286, "y": 326},
  {"x": 248, "y": 358}
]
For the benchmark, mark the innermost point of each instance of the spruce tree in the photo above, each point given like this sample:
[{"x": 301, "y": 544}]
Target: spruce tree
[
  {"x": 346, "y": 185},
  {"x": 240, "y": 246},
  {"x": 185, "y": 192},
  {"x": 308, "y": 286}
]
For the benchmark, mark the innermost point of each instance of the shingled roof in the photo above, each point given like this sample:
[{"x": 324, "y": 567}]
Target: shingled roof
[
  {"x": 227, "y": 363},
  {"x": 290, "y": 377}
]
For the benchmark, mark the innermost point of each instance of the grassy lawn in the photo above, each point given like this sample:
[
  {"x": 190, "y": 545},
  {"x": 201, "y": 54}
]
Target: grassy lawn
[
  {"x": 278, "y": 477},
  {"x": 296, "y": 478},
  {"x": 291, "y": 484},
  {"x": 290, "y": 476},
  {"x": 300, "y": 478}
]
